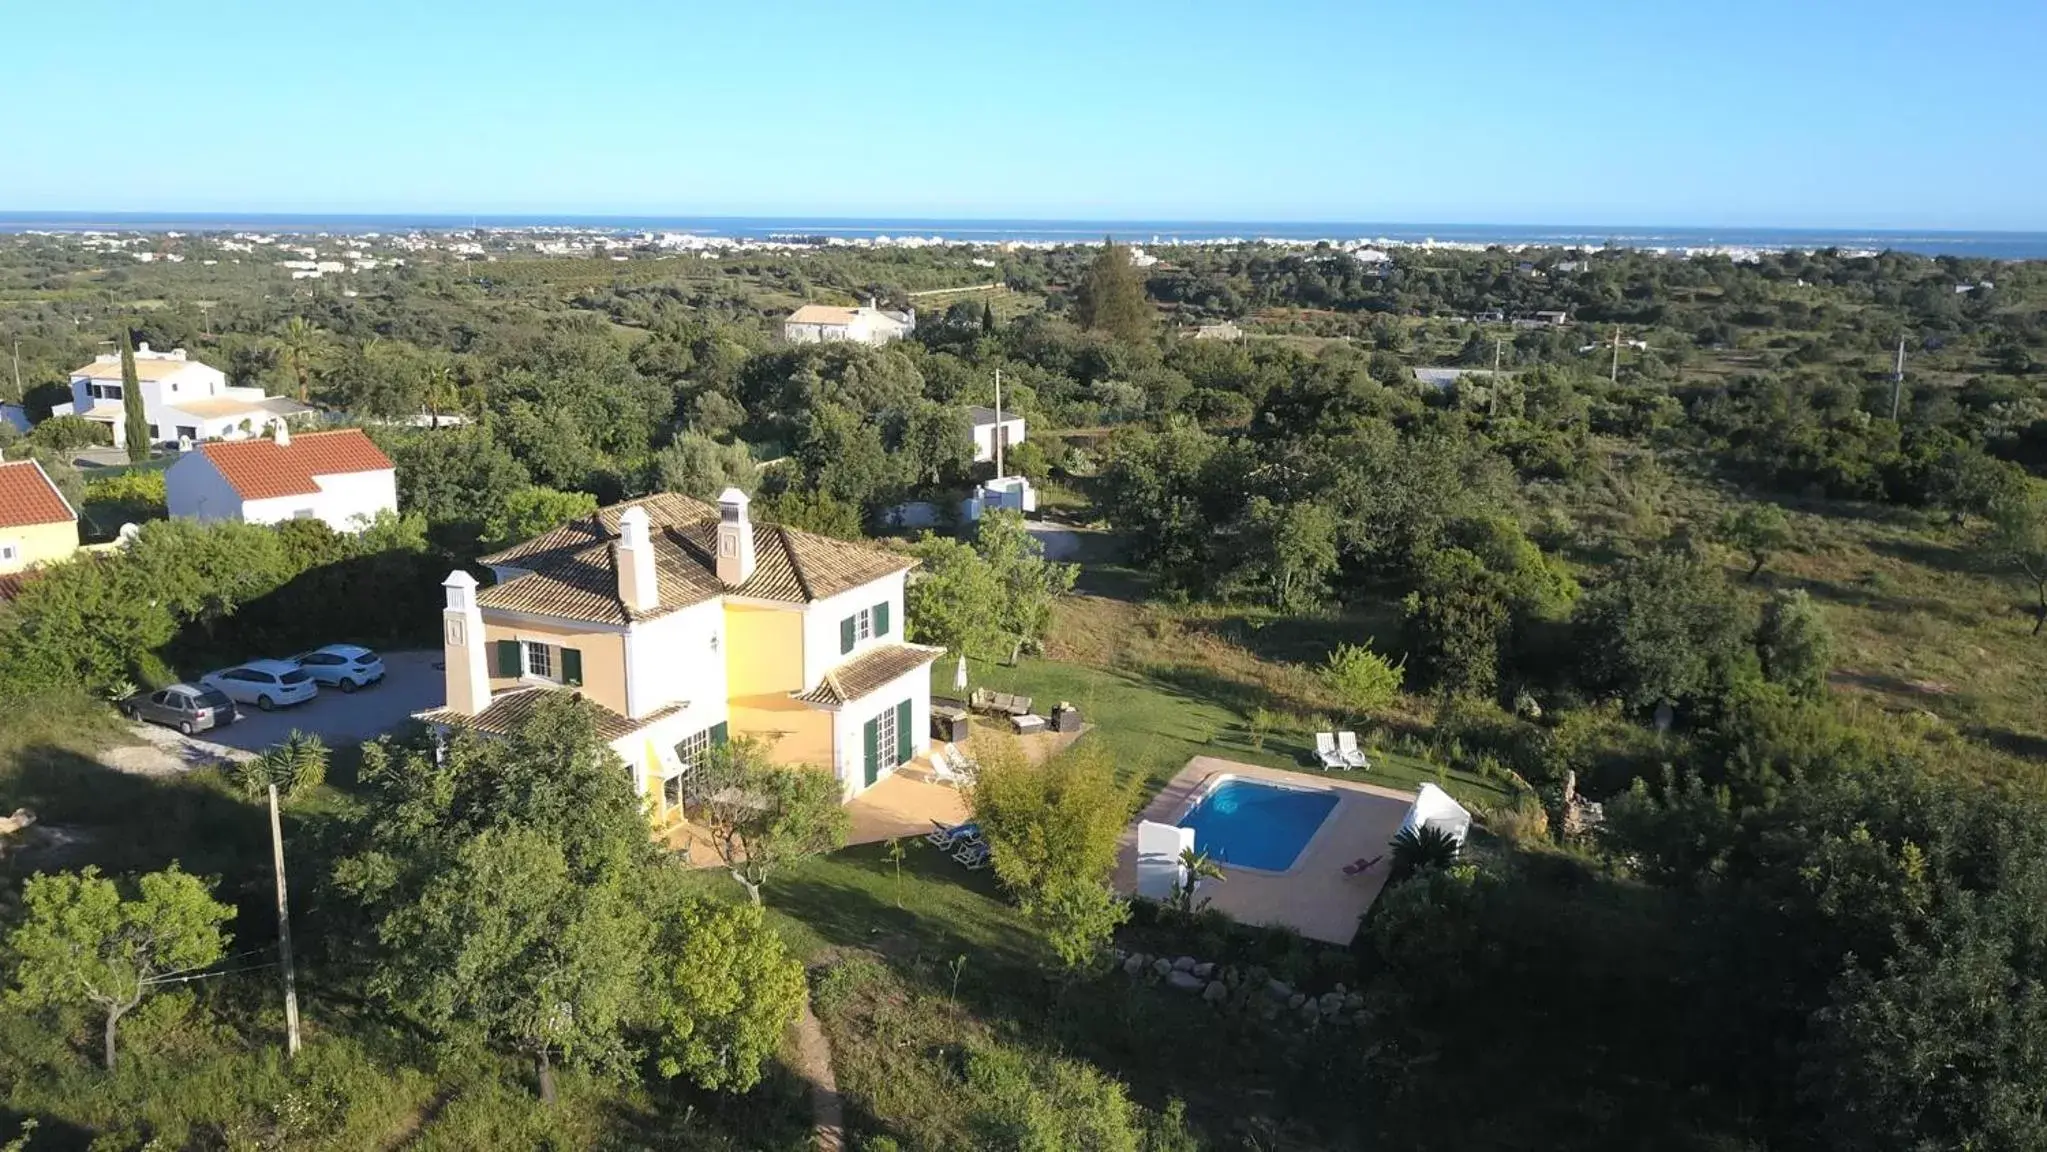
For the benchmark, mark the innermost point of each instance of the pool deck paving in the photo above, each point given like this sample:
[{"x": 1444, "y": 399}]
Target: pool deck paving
[{"x": 1313, "y": 897}]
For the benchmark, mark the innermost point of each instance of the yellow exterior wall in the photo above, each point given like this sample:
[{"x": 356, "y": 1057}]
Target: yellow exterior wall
[
  {"x": 603, "y": 658},
  {"x": 763, "y": 650},
  {"x": 39, "y": 544},
  {"x": 796, "y": 733}
]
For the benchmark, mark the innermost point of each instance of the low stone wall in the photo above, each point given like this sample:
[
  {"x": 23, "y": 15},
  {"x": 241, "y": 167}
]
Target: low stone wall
[{"x": 1248, "y": 990}]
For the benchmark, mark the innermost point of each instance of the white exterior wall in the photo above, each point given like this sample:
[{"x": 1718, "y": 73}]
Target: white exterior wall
[
  {"x": 642, "y": 750},
  {"x": 193, "y": 382},
  {"x": 678, "y": 657},
  {"x": 821, "y": 625},
  {"x": 195, "y": 490},
  {"x": 866, "y": 328},
  {"x": 847, "y": 727},
  {"x": 984, "y": 438}
]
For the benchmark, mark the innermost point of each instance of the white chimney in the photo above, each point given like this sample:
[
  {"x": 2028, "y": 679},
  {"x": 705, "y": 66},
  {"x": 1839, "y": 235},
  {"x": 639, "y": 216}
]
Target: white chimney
[
  {"x": 735, "y": 539},
  {"x": 639, "y": 586},
  {"x": 281, "y": 433},
  {"x": 463, "y": 648}
]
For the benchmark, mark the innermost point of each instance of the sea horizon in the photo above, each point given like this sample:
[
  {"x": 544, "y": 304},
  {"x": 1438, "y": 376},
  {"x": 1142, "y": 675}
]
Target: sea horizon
[{"x": 1981, "y": 243}]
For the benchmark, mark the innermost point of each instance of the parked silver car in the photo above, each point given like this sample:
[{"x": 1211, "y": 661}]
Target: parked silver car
[{"x": 185, "y": 707}]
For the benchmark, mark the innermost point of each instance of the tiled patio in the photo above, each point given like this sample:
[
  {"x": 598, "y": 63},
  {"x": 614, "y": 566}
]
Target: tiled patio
[
  {"x": 905, "y": 803},
  {"x": 1314, "y": 897}
]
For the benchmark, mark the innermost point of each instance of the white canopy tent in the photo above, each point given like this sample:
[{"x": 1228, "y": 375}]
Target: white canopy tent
[{"x": 1433, "y": 808}]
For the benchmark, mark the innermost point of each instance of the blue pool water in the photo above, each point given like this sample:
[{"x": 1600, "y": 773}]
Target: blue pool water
[{"x": 1254, "y": 825}]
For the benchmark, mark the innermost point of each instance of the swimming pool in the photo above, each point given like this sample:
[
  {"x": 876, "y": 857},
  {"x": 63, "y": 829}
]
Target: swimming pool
[{"x": 1251, "y": 824}]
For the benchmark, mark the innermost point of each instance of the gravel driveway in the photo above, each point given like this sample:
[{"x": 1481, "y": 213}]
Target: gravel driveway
[{"x": 412, "y": 683}]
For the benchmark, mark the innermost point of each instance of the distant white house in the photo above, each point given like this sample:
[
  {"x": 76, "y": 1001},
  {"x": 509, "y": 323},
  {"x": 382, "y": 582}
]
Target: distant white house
[
  {"x": 339, "y": 477},
  {"x": 1226, "y": 330},
  {"x": 826, "y": 323},
  {"x": 991, "y": 428},
  {"x": 1012, "y": 492},
  {"x": 1444, "y": 378},
  {"x": 181, "y": 398}
]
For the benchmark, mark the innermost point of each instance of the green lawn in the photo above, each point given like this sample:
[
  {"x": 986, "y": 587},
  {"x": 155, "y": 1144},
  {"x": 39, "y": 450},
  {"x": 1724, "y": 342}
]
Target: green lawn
[{"x": 1155, "y": 721}]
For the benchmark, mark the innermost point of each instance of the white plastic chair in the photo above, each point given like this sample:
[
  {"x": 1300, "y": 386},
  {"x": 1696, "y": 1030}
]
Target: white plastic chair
[
  {"x": 1347, "y": 750},
  {"x": 1325, "y": 750}
]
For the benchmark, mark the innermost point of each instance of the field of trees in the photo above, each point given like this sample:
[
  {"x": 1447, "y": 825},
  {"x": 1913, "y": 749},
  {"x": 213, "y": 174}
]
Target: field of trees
[{"x": 1777, "y": 612}]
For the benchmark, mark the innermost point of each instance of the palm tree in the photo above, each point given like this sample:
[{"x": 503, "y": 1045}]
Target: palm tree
[
  {"x": 437, "y": 389},
  {"x": 301, "y": 344},
  {"x": 1426, "y": 846},
  {"x": 1194, "y": 867}
]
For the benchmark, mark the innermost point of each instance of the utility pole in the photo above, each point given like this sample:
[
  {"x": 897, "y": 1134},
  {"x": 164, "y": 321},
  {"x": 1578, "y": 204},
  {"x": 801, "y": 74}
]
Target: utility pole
[
  {"x": 291, "y": 991},
  {"x": 1898, "y": 380},
  {"x": 996, "y": 432},
  {"x": 17, "y": 372},
  {"x": 1493, "y": 404},
  {"x": 1613, "y": 375}
]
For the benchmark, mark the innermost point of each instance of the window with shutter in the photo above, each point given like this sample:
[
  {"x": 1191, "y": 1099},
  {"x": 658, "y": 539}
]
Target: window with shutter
[
  {"x": 881, "y": 618},
  {"x": 572, "y": 666},
  {"x": 718, "y": 733},
  {"x": 903, "y": 733},
  {"x": 511, "y": 659},
  {"x": 846, "y": 635}
]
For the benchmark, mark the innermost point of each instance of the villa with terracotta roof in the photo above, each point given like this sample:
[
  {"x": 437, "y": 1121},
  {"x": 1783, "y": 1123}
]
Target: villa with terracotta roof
[
  {"x": 339, "y": 477},
  {"x": 182, "y": 399},
  {"x": 37, "y": 525},
  {"x": 828, "y": 323},
  {"x": 687, "y": 624}
]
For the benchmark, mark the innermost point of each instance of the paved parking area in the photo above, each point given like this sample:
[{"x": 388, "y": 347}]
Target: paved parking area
[{"x": 412, "y": 683}]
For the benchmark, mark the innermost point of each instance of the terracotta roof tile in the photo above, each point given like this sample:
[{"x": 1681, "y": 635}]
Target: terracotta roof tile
[
  {"x": 508, "y": 710},
  {"x": 867, "y": 673},
  {"x": 572, "y": 572},
  {"x": 28, "y": 497},
  {"x": 259, "y": 469}
]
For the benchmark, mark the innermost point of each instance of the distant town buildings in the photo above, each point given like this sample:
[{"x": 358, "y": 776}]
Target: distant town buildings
[
  {"x": 182, "y": 399},
  {"x": 827, "y": 323}
]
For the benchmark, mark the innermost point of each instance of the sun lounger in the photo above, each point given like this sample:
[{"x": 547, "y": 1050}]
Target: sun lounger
[
  {"x": 973, "y": 854},
  {"x": 949, "y": 836},
  {"x": 1347, "y": 750},
  {"x": 1325, "y": 750}
]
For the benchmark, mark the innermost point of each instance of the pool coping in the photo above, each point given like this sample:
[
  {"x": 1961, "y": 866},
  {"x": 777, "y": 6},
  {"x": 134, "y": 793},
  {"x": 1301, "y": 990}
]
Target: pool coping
[
  {"x": 1222, "y": 776},
  {"x": 1316, "y": 898}
]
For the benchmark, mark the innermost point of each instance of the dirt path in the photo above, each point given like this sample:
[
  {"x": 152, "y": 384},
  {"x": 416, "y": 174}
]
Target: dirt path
[{"x": 813, "y": 1062}]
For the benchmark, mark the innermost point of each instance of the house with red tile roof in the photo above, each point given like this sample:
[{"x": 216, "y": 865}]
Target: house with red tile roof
[
  {"x": 683, "y": 624},
  {"x": 37, "y": 525},
  {"x": 339, "y": 477}
]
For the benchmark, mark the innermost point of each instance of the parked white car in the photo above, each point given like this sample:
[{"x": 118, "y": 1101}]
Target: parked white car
[
  {"x": 265, "y": 683},
  {"x": 344, "y": 666}
]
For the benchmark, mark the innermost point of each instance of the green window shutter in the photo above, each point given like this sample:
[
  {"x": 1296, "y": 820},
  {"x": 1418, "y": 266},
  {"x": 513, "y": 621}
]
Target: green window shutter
[
  {"x": 846, "y": 635},
  {"x": 903, "y": 732},
  {"x": 870, "y": 736},
  {"x": 881, "y": 618},
  {"x": 718, "y": 734},
  {"x": 511, "y": 661},
  {"x": 572, "y": 666}
]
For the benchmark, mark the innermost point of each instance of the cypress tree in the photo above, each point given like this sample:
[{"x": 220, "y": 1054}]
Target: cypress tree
[
  {"x": 1111, "y": 298},
  {"x": 987, "y": 318},
  {"x": 136, "y": 430}
]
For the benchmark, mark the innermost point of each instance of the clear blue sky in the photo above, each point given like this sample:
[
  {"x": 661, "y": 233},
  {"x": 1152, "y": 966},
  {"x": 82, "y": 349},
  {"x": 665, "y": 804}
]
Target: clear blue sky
[{"x": 1857, "y": 113}]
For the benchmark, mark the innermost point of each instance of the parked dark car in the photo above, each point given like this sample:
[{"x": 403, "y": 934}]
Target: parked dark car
[{"x": 187, "y": 708}]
